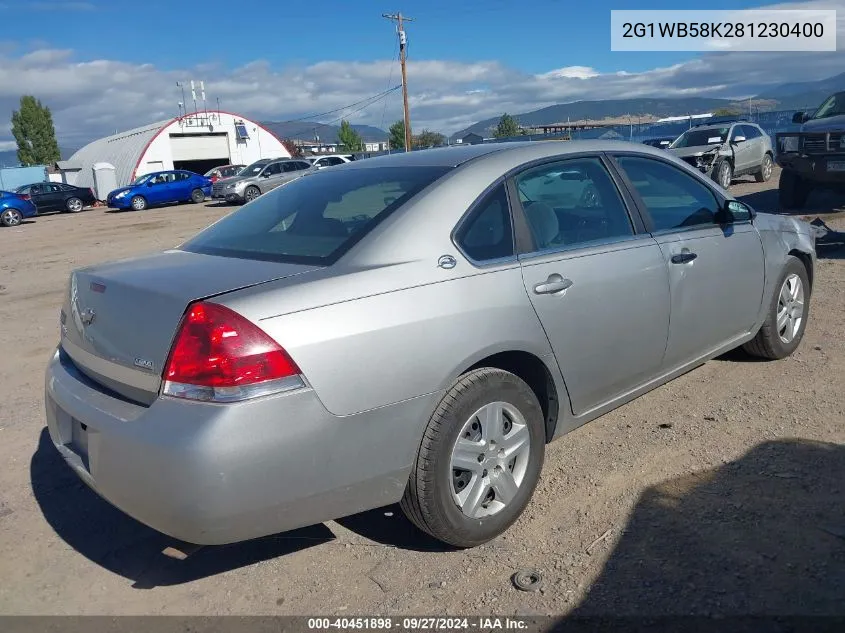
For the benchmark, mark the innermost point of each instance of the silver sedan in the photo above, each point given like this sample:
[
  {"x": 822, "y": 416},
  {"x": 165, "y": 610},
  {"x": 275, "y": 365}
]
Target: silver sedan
[{"x": 413, "y": 328}]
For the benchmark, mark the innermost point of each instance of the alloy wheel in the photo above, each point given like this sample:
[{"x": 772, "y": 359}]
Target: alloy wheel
[
  {"x": 11, "y": 217},
  {"x": 790, "y": 310},
  {"x": 74, "y": 205},
  {"x": 725, "y": 175},
  {"x": 489, "y": 460}
]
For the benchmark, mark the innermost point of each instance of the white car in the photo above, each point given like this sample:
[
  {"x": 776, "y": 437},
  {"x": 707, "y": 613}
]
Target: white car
[{"x": 328, "y": 161}]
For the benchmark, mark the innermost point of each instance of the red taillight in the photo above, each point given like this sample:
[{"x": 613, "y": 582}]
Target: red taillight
[
  {"x": 23, "y": 196},
  {"x": 220, "y": 356}
]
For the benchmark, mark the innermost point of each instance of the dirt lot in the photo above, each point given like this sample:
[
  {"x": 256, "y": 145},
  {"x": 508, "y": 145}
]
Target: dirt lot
[{"x": 721, "y": 492}]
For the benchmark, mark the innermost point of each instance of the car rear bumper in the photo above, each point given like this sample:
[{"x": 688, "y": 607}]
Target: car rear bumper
[{"x": 212, "y": 474}]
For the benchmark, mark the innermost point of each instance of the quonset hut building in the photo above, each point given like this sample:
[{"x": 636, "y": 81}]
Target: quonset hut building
[{"x": 195, "y": 142}]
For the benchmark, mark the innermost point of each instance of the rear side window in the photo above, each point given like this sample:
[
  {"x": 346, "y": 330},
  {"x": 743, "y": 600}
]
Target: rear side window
[
  {"x": 487, "y": 233},
  {"x": 316, "y": 218}
]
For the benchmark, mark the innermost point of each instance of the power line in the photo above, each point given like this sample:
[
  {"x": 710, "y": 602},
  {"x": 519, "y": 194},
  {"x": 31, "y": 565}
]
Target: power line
[
  {"x": 371, "y": 101},
  {"x": 351, "y": 105}
]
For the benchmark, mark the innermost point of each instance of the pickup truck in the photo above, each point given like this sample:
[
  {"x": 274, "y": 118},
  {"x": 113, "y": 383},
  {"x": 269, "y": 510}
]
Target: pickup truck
[{"x": 814, "y": 157}]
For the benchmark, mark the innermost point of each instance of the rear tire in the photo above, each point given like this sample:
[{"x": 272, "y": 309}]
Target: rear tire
[
  {"x": 792, "y": 190},
  {"x": 10, "y": 217},
  {"x": 74, "y": 205},
  {"x": 780, "y": 334},
  {"x": 766, "y": 167},
  {"x": 197, "y": 196},
  {"x": 496, "y": 486},
  {"x": 139, "y": 203}
]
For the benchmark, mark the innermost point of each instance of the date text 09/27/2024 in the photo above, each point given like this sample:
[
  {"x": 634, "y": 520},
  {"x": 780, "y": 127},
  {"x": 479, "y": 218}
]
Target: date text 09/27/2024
[{"x": 418, "y": 624}]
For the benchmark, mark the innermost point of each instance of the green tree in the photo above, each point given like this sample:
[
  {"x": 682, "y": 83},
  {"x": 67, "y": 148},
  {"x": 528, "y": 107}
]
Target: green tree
[
  {"x": 349, "y": 139},
  {"x": 32, "y": 127},
  {"x": 428, "y": 138},
  {"x": 397, "y": 135},
  {"x": 507, "y": 127}
]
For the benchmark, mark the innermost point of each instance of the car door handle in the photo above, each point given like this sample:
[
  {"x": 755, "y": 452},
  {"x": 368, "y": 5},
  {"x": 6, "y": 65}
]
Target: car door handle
[
  {"x": 554, "y": 284},
  {"x": 683, "y": 258}
]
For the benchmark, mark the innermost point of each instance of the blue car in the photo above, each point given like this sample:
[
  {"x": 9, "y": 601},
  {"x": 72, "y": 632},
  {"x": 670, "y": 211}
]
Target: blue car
[
  {"x": 161, "y": 187},
  {"x": 14, "y": 207}
]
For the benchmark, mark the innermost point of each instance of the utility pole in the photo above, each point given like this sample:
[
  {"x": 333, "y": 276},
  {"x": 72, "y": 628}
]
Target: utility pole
[{"x": 403, "y": 40}]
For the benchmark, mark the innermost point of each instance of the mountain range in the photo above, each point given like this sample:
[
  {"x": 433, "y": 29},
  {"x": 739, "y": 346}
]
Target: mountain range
[
  {"x": 307, "y": 130},
  {"x": 793, "y": 96}
]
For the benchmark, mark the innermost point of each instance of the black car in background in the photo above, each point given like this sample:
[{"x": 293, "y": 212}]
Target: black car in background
[
  {"x": 662, "y": 142},
  {"x": 57, "y": 197}
]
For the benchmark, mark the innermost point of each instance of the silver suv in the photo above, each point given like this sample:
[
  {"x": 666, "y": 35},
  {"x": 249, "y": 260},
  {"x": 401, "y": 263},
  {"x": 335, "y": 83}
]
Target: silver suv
[
  {"x": 726, "y": 150},
  {"x": 260, "y": 177}
]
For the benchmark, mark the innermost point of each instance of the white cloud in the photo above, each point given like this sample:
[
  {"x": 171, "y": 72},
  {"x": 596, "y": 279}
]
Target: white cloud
[
  {"x": 91, "y": 98},
  {"x": 572, "y": 72}
]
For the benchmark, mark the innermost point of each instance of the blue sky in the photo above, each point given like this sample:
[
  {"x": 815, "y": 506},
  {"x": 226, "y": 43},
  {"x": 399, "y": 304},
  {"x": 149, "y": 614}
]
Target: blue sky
[
  {"x": 531, "y": 35},
  {"x": 107, "y": 65}
]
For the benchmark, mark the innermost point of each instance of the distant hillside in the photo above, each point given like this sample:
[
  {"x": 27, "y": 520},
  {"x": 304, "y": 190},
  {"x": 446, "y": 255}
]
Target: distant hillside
[
  {"x": 806, "y": 95},
  {"x": 306, "y": 130},
  {"x": 9, "y": 158},
  {"x": 597, "y": 110}
]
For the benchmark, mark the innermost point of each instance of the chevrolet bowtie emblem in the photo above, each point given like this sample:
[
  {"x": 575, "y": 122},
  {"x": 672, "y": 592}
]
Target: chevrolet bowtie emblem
[{"x": 87, "y": 316}]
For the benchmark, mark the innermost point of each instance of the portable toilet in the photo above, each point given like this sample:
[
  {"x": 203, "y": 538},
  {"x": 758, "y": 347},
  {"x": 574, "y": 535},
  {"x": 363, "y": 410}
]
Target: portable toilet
[{"x": 105, "y": 180}]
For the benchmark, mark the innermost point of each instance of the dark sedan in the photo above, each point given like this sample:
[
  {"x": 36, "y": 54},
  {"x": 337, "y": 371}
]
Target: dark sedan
[{"x": 57, "y": 197}]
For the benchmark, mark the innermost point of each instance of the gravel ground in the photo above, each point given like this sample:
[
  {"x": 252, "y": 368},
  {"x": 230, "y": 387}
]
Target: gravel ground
[{"x": 721, "y": 492}]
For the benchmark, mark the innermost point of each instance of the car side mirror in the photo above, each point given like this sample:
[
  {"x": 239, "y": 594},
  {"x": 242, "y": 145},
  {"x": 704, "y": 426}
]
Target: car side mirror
[
  {"x": 733, "y": 212},
  {"x": 739, "y": 139},
  {"x": 799, "y": 117},
  {"x": 265, "y": 174},
  {"x": 149, "y": 183}
]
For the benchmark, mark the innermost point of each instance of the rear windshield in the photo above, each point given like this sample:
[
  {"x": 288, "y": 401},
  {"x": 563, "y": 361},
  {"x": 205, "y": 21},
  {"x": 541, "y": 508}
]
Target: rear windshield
[{"x": 315, "y": 218}]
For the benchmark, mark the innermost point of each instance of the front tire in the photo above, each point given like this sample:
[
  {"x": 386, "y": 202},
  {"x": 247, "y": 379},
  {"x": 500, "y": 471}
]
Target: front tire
[
  {"x": 479, "y": 461},
  {"x": 766, "y": 167},
  {"x": 723, "y": 174},
  {"x": 11, "y": 217},
  {"x": 197, "y": 196},
  {"x": 786, "y": 321},
  {"x": 139, "y": 203},
  {"x": 74, "y": 205},
  {"x": 251, "y": 193}
]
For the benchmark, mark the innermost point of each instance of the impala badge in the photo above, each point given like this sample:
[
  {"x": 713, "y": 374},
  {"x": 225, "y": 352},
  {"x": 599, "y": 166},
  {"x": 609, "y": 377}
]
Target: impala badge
[
  {"x": 143, "y": 363},
  {"x": 87, "y": 316}
]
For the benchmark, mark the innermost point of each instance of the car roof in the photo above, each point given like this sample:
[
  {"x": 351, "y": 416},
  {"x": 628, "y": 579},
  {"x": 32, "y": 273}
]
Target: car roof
[{"x": 512, "y": 153}]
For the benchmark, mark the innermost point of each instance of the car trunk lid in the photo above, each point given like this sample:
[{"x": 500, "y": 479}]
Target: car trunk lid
[{"x": 119, "y": 319}]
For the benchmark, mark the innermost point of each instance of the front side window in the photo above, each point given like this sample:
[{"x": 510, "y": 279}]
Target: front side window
[
  {"x": 751, "y": 132},
  {"x": 314, "y": 220},
  {"x": 571, "y": 203},
  {"x": 674, "y": 199},
  {"x": 487, "y": 234}
]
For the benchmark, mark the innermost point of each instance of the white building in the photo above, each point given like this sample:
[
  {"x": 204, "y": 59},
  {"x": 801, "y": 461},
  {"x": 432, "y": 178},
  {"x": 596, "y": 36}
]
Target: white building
[{"x": 195, "y": 142}]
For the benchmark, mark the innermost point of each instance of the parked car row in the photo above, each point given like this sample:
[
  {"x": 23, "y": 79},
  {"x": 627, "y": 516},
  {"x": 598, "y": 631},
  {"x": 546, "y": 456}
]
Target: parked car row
[{"x": 234, "y": 183}]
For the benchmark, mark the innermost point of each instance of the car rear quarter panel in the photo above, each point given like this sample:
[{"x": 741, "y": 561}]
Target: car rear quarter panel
[{"x": 369, "y": 352}]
